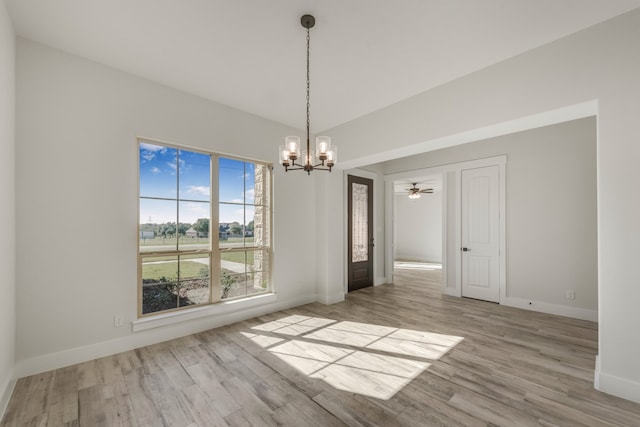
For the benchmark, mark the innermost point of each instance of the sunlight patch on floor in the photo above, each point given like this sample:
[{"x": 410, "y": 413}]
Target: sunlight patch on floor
[{"x": 372, "y": 360}]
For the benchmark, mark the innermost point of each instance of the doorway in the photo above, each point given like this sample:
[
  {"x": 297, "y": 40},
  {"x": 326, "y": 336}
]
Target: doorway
[
  {"x": 360, "y": 232},
  {"x": 418, "y": 226}
]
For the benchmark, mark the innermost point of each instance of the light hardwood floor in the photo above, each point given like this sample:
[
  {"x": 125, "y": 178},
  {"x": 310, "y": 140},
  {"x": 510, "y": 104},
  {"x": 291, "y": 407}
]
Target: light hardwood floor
[{"x": 399, "y": 354}]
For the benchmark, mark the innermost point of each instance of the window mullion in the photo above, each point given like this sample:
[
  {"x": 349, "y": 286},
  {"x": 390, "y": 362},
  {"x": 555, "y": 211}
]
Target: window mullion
[
  {"x": 214, "y": 239},
  {"x": 177, "y": 200}
]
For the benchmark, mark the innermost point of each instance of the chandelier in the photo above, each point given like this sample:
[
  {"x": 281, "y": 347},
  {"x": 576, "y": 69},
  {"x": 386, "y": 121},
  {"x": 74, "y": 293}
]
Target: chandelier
[{"x": 325, "y": 153}]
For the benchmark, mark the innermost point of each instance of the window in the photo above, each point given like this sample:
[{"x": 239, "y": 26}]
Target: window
[{"x": 184, "y": 195}]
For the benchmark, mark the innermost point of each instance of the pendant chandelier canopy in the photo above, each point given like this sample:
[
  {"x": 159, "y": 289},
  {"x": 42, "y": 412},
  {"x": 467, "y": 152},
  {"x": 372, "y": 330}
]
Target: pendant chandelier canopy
[{"x": 325, "y": 153}]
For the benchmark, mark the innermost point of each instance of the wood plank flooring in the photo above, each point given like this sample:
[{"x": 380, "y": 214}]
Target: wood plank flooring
[{"x": 391, "y": 351}]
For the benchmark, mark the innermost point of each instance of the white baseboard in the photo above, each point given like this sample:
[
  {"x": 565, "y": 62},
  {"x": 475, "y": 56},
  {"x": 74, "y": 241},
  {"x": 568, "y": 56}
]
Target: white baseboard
[
  {"x": 6, "y": 389},
  {"x": 380, "y": 281},
  {"x": 156, "y": 335},
  {"x": 611, "y": 384},
  {"x": 330, "y": 299},
  {"x": 452, "y": 292},
  {"x": 557, "y": 309}
]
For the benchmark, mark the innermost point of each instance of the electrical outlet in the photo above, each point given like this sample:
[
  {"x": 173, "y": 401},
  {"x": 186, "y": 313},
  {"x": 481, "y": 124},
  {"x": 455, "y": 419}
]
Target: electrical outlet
[
  {"x": 118, "y": 320},
  {"x": 571, "y": 294}
]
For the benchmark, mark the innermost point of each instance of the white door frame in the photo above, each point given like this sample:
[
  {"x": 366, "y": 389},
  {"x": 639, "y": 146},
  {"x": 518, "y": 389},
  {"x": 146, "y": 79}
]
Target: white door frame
[{"x": 451, "y": 285}]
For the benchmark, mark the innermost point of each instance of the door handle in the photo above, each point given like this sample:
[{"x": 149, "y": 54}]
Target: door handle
[{"x": 465, "y": 249}]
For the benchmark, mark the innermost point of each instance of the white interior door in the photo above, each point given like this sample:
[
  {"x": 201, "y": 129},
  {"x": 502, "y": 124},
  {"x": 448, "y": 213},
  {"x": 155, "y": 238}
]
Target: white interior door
[{"x": 481, "y": 233}]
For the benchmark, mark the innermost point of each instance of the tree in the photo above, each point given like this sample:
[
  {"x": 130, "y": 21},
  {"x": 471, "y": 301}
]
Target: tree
[
  {"x": 182, "y": 228},
  {"x": 235, "y": 228},
  {"x": 202, "y": 226},
  {"x": 250, "y": 225},
  {"x": 170, "y": 229}
]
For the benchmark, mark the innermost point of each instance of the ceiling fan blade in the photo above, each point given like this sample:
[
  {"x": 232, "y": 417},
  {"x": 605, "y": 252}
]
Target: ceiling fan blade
[{"x": 427, "y": 190}]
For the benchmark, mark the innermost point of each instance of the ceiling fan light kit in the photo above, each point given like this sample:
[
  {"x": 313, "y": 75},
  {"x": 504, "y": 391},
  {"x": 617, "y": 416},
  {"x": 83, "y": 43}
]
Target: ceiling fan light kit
[
  {"x": 414, "y": 192},
  {"x": 325, "y": 153}
]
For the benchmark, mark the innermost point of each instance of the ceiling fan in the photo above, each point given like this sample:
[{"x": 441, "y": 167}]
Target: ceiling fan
[{"x": 414, "y": 192}]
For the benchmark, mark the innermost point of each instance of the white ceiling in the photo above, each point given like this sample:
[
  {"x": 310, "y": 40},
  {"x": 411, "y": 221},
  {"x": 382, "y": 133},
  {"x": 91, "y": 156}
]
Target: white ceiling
[{"x": 250, "y": 54}]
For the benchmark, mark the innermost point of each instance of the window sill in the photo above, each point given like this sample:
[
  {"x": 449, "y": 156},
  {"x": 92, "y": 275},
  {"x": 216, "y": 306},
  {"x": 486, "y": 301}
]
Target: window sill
[{"x": 200, "y": 312}]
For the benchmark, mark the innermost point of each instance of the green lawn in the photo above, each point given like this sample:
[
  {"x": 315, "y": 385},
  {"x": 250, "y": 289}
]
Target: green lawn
[
  {"x": 160, "y": 241},
  {"x": 169, "y": 270},
  {"x": 238, "y": 257},
  {"x": 185, "y": 241},
  {"x": 167, "y": 266}
]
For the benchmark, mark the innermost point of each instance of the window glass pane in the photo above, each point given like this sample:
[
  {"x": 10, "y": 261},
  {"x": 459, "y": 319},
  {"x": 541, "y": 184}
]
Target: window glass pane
[
  {"x": 194, "y": 280},
  {"x": 233, "y": 285},
  {"x": 233, "y": 262},
  {"x": 260, "y": 227},
  {"x": 157, "y": 225},
  {"x": 238, "y": 225},
  {"x": 231, "y": 227},
  {"x": 158, "y": 171},
  {"x": 232, "y": 267},
  {"x": 159, "y": 284},
  {"x": 244, "y": 273},
  {"x": 260, "y": 213},
  {"x": 231, "y": 180},
  {"x": 249, "y": 214},
  {"x": 258, "y": 271},
  {"x": 195, "y": 176},
  {"x": 194, "y": 225},
  {"x": 249, "y": 183},
  {"x": 261, "y": 185},
  {"x": 360, "y": 230}
]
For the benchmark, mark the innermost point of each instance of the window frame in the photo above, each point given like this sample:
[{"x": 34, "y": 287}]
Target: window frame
[{"x": 214, "y": 251}]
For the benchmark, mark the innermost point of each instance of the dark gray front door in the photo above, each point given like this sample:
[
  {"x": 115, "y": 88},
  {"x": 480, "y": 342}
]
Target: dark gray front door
[{"x": 360, "y": 235}]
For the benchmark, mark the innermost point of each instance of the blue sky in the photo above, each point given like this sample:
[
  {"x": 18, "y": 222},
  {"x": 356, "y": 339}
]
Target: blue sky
[{"x": 160, "y": 168}]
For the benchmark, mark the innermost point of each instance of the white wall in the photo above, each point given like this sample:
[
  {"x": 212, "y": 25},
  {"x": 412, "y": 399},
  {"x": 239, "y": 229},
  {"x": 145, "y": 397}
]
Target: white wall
[
  {"x": 601, "y": 63},
  {"x": 418, "y": 227},
  {"x": 77, "y": 123},
  {"x": 551, "y": 205},
  {"x": 7, "y": 206}
]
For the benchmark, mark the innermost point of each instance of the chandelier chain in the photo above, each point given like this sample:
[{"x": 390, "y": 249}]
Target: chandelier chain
[{"x": 308, "y": 97}]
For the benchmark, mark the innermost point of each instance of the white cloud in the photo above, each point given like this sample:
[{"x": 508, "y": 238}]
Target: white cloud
[
  {"x": 173, "y": 166},
  {"x": 155, "y": 170},
  {"x": 147, "y": 155},
  {"x": 148, "y": 151},
  {"x": 190, "y": 212},
  {"x": 152, "y": 147},
  {"x": 199, "y": 190}
]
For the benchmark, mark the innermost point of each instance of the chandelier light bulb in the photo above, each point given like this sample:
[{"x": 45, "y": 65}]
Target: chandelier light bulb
[{"x": 293, "y": 146}]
